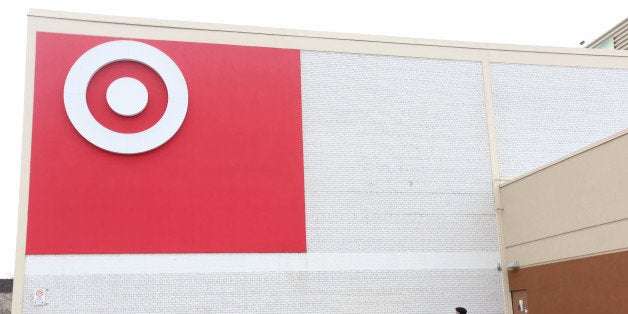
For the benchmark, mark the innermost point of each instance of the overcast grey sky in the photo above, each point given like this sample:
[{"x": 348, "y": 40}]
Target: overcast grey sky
[{"x": 532, "y": 22}]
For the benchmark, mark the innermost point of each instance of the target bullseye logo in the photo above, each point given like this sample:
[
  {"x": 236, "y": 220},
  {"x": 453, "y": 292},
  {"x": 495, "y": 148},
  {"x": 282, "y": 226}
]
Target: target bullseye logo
[{"x": 126, "y": 96}]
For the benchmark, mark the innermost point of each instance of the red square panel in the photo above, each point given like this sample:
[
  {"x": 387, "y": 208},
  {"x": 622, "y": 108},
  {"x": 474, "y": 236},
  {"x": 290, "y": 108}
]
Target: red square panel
[{"x": 229, "y": 180}]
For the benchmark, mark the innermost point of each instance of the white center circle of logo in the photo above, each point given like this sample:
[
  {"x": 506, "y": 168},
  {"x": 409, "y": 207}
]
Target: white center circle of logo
[{"x": 126, "y": 96}]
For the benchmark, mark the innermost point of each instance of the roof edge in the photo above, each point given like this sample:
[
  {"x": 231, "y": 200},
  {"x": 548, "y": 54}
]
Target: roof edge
[{"x": 89, "y": 17}]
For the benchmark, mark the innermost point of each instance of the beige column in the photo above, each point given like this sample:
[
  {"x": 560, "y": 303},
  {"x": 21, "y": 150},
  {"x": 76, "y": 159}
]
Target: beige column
[{"x": 492, "y": 137}]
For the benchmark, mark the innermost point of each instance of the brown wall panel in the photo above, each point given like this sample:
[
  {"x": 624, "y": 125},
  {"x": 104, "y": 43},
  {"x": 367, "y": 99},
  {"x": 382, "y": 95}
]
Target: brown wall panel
[{"x": 597, "y": 284}]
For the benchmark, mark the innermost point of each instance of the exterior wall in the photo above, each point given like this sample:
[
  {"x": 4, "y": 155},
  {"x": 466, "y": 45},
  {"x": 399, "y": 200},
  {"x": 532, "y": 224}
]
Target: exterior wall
[
  {"x": 597, "y": 284},
  {"x": 416, "y": 291},
  {"x": 402, "y": 161},
  {"x": 573, "y": 208},
  {"x": 566, "y": 225},
  {"x": 371, "y": 202},
  {"x": 543, "y": 113},
  {"x": 396, "y": 155}
]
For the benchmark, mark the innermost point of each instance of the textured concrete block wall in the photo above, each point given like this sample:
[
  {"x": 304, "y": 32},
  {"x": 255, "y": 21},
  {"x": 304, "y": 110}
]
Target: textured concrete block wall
[
  {"x": 396, "y": 155},
  {"x": 399, "y": 209},
  {"x": 543, "y": 113},
  {"x": 272, "y": 292}
]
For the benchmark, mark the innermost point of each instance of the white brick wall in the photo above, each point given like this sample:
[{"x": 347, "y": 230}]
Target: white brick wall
[
  {"x": 396, "y": 154},
  {"x": 545, "y": 112},
  {"x": 437, "y": 291}
]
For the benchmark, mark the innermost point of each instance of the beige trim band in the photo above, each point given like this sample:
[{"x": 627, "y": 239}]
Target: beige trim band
[{"x": 91, "y": 24}]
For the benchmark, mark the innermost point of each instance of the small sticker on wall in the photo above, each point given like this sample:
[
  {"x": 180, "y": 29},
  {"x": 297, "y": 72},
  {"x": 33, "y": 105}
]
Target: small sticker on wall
[{"x": 39, "y": 296}]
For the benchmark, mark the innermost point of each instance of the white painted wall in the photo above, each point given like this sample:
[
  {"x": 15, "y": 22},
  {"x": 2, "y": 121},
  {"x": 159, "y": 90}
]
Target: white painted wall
[{"x": 543, "y": 113}]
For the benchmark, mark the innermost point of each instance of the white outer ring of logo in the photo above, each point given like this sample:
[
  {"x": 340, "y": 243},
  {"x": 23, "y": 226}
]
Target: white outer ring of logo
[{"x": 75, "y": 97}]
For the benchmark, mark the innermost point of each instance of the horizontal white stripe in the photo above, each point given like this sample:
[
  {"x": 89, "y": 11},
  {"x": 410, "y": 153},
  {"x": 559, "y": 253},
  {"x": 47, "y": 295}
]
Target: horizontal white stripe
[{"x": 224, "y": 263}]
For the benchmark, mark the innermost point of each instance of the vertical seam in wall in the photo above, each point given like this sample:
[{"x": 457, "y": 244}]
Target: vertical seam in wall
[{"x": 492, "y": 140}]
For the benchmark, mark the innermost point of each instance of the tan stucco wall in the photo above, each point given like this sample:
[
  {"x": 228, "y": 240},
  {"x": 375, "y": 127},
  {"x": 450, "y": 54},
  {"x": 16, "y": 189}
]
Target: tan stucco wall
[{"x": 573, "y": 208}]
